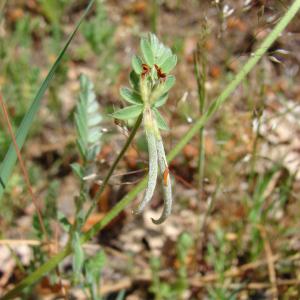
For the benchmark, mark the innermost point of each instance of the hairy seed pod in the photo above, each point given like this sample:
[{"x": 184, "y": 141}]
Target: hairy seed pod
[
  {"x": 167, "y": 189},
  {"x": 153, "y": 169}
]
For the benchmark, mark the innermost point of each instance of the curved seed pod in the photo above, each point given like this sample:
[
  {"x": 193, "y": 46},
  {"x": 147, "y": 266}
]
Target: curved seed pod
[
  {"x": 153, "y": 169},
  {"x": 167, "y": 189}
]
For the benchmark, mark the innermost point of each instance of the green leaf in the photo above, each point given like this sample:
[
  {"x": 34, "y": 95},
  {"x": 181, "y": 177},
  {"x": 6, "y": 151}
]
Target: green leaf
[
  {"x": 77, "y": 170},
  {"x": 94, "y": 266},
  {"x": 169, "y": 83},
  {"x": 169, "y": 64},
  {"x": 94, "y": 120},
  {"x": 161, "y": 100},
  {"x": 134, "y": 80},
  {"x": 147, "y": 52},
  {"x": 161, "y": 123},
  {"x": 155, "y": 44},
  {"x": 88, "y": 121},
  {"x": 163, "y": 54},
  {"x": 81, "y": 147},
  {"x": 130, "y": 96},
  {"x": 63, "y": 221},
  {"x": 162, "y": 89},
  {"x": 22, "y": 132},
  {"x": 136, "y": 63},
  {"x": 121, "y": 295},
  {"x": 129, "y": 112}
]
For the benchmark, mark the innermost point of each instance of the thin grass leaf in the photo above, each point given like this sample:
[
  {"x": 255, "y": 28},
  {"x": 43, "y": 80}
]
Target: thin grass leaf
[
  {"x": 10, "y": 158},
  {"x": 121, "y": 295}
]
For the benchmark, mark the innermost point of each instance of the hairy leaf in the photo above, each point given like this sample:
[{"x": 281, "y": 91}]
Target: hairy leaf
[
  {"x": 147, "y": 52},
  {"x": 136, "y": 63},
  {"x": 130, "y": 96},
  {"x": 129, "y": 112},
  {"x": 161, "y": 123},
  {"x": 88, "y": 121},
  {"x": 161, "y": 100},
  {"x": 169, "y": 83},
  {"x": 169, "y": 63},
  {"x": 134, "y": 80}
]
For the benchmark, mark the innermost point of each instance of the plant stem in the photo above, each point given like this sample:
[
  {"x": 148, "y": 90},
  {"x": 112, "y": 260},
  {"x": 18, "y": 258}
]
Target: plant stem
[
  {"x": 154, "y": 15},
  {"x": 114, "y": 165},
  {"x": 258, "y": 112},
  {"x": 55, "y": 260},
  {"x": 23, "y": 168},
  {"x": 200, "y": 78}
]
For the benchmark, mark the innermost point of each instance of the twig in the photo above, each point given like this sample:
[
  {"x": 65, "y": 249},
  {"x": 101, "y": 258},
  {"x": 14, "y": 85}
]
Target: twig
[
  {"x": 259, "y": 285},
  {"x": 20, "y": 242},
  {"x": 238, "y": 271},
  {"x": 23, "y": 168}
]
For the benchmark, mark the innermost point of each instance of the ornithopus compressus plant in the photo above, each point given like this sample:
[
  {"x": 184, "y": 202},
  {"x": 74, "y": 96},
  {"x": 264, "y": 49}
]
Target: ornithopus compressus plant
[
  {"x": 10, "y": 159},
  {"x": 150, "y": 83}
]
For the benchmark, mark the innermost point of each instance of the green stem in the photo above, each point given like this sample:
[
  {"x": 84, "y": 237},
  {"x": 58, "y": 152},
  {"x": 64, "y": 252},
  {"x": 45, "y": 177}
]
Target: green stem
[
  {"x": 112, "y": 168},
  {"x": 154, "y": 15},
  {"x": 201, "y": 79},
  {"x": 51, "y": 264},
  {"x": 259, "y": 111}
]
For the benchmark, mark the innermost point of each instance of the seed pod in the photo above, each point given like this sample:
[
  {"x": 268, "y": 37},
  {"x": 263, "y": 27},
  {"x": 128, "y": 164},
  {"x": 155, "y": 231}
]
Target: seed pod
[
  {"x": 167, "y": 188},
  {"x": 153, "y": 168}
]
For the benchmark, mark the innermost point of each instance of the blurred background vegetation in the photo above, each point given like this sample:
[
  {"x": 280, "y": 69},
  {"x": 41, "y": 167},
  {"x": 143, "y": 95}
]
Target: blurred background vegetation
[{"x": 234, "y": 231}]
